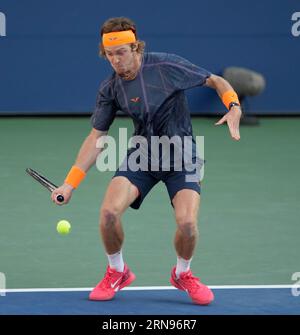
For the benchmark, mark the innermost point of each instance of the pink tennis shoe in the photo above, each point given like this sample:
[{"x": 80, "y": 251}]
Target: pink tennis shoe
[
  {"x": 199, "y": 293},
  {"x": 112, "y": 282}
]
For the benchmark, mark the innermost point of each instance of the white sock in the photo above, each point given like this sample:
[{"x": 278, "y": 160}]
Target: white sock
[
  {"x": 116, "y": 261},
  {"x": 183, "y": 265}
]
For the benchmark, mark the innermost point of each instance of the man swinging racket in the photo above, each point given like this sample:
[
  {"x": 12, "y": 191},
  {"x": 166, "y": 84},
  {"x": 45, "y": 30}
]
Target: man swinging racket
[{"x": 150, "y": 88}]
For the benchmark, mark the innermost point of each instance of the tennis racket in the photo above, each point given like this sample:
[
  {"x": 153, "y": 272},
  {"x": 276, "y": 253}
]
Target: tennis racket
[{"x": 44, "y": 182}]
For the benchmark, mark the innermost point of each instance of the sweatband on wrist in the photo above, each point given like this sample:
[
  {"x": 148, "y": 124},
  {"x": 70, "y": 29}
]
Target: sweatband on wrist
[
  {"x": 228, "y": 97},
  {"x": 75, "y": 176}
]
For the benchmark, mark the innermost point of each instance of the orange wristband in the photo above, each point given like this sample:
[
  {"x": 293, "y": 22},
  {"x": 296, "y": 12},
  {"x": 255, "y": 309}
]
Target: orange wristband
[
  {"x": 75, "y": 176},
  {"x": 228, "y": 97}
]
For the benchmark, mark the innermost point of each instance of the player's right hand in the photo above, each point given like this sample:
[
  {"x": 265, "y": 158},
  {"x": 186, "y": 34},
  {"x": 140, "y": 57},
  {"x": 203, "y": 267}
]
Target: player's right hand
[{"x": 65, "y": 190}]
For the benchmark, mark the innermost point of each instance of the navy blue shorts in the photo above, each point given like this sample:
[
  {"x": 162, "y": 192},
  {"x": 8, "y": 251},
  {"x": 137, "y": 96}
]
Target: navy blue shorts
[{"x": 145, "y": 180}]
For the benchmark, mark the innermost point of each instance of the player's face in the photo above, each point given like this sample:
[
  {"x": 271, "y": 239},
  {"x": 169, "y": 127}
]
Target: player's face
[{"x": 121, "y": 58}]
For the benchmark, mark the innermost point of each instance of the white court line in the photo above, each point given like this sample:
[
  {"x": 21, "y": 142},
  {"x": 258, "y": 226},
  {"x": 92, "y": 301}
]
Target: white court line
[{"x": 144, "y": 288}]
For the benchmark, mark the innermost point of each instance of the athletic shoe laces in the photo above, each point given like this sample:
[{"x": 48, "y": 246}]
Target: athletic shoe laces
[
  {"x": 191, "y": 282},
  {"x": 108, "y": 278}
]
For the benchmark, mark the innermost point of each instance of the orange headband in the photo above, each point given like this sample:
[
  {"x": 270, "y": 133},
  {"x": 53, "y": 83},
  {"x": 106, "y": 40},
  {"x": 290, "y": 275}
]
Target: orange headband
[{"x": 118, "y": 38}]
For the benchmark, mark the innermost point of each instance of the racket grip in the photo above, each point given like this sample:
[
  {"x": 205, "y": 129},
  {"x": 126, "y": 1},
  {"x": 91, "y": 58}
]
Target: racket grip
[{"x": 60, "y": 198}]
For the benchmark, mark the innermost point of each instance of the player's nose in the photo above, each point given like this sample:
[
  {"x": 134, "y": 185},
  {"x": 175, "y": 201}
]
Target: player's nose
[{"x": 115, "y": 60}]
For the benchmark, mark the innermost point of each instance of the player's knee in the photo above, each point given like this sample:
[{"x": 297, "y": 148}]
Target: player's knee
[
  {"x": 187, "y": 226},
  {"x": 108, "y": 217}
]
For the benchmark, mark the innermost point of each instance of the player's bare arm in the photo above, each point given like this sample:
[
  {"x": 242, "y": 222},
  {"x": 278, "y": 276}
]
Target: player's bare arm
[
  {"x": 85, "y": 159},
  {"x": 88, "y": 152},
  {"x": 234, "y": 114}
]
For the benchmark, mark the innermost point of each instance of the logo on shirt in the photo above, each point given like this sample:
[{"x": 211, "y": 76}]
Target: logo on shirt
[{"x": 137, "y": 99}]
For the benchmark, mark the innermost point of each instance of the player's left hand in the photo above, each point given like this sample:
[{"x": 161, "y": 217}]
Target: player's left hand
[{"x": 233, "y": 121}]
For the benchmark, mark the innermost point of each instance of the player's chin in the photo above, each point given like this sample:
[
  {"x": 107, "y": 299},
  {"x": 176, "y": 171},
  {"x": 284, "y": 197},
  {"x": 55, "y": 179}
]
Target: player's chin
[
  {"x": 120, "y": 69},
  {"x": 120, "y": 72}
]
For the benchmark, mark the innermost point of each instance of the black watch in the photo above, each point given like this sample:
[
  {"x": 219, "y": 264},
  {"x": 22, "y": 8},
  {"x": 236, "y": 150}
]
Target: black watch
[{"x": 233, "y": 104}]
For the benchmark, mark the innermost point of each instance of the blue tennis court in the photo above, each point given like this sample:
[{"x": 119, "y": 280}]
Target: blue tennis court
[{"x": 166, "y": 301}]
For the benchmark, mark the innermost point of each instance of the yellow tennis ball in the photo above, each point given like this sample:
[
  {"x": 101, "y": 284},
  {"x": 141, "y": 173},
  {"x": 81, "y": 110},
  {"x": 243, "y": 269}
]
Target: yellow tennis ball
[{"x": 63, "y": 227}]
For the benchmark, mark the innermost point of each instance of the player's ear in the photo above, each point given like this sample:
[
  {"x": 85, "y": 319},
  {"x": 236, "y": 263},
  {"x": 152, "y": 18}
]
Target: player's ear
[{"x": 134, "y": 46}]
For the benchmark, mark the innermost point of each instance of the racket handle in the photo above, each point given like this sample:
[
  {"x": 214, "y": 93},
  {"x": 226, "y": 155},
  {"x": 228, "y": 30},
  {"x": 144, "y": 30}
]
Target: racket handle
[{"x": 60, "y": 198}]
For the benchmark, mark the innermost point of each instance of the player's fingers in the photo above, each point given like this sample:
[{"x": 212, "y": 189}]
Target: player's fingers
[
  {"x": 221, "y": 121},
  {"x": 237, "y": 129},
  {"x": 237, "y": 135},
  {"x": 234, "y": 130},
  {"x": 59, "y": 203},
  {"x": 54, "y": 196}
]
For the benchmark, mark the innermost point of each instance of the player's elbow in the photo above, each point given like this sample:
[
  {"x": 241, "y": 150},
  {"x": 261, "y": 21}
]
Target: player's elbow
[
  {"x": 96, "y": 138},
  {"x": 214, "y": 81}
]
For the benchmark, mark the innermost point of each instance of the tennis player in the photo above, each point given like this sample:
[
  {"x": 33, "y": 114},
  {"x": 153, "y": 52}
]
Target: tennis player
[{"x": 150, "y": 88}]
